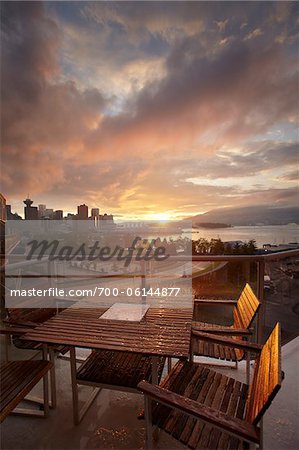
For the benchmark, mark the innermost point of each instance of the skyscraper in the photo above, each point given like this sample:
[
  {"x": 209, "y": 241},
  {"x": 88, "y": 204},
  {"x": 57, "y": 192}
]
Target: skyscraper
[
  {"x": 58, "y": 214},
  {"x": 41, "y": 210},
  {"x": 82, "y": 212},
  {"x": 95, "y": 212},
  {"x": 30, "y": 212}
]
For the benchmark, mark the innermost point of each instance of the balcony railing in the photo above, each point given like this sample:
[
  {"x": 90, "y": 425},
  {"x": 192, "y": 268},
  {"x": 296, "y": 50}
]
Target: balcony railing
[{"x": 278, "y": 294}]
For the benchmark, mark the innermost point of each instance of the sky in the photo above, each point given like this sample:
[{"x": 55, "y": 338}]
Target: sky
[{"x": 150, "y": 109}]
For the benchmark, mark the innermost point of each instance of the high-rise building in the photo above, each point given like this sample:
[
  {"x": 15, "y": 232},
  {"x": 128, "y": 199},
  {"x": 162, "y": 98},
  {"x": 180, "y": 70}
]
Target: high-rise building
[
  {"x": 30, "y": 212},
  {"x": 82, "y": 212},
  {"x": 105, "y": 221},
  {"x": 108, "y": 217},
  {"x": 10, "y": 215},
  {"x": 58, "y": 214},
  {"x": 95, "y": 212},
  {"x": 49, "y": 212},
  {"x": 2, "y": 208},
  {"x": 8, "y": 212},
  {"x": 3, "y": 310},
  {"x": 41, "y": 211}
]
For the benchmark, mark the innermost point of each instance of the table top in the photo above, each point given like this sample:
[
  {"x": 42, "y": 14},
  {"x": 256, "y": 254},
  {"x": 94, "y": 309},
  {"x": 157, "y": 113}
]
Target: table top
[{"x": 163, "y": 331}]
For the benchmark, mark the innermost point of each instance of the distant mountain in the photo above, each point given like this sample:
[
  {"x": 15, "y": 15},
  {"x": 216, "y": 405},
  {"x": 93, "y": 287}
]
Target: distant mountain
[{"x": 251, "y": 215}]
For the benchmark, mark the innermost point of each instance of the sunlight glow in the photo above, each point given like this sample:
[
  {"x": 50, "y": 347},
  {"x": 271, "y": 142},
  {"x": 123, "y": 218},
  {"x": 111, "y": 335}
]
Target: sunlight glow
[{"x": 161, "y": 216}]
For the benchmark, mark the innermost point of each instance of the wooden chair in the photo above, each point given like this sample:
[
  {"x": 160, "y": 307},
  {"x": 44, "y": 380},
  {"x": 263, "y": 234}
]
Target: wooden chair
[
  {"x": 17, "y": 331},
  {"x": 17, "y": 378},
  {"x": 31, "y": 317},
  {"x": 116, "y": 370},
  {"x": 244, "y": 313},
  {"x": 207, "y": 410}
]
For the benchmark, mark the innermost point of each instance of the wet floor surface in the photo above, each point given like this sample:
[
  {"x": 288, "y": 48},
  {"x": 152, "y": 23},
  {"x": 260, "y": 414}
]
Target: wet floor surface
[{"x": 112, "y": 420}]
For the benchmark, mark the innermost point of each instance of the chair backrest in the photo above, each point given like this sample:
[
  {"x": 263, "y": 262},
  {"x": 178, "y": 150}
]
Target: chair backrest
[
  {"x": 246, "y": 308},
  {"x": 37, "y": 315},
  {"x": 267, "y": 378}
]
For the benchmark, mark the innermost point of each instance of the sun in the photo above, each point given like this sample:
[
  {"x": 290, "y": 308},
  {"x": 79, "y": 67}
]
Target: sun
[{"x": 162, "y": 217}]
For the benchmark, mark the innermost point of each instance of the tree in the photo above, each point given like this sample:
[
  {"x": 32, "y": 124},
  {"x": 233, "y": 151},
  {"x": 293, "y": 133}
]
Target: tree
[
  {"x": 252, "y": 247},
  {"x": 203, "y": 246},
  {"x": 236, "y": 248},
  {"x": 217, "y": 247}
]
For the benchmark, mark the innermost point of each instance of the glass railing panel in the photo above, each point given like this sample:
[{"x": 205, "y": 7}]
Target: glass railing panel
[
  {"x": 281, "y": 296},
  {"x": 221, "y": 280}
]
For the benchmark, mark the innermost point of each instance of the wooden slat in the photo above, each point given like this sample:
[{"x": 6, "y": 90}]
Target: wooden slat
[
  {"x": 234, "y": 343},
  {"x": 174, "y": 380},
  {"x": 215, "y": 435},
  {"x": 218, "y": 329},
  {"x": 229, "y": 406},
  {"x": 185, "y": 424},
  {"x": 117, "y": 368},
  {"x": 206, "y": 428},
  {"x": 183, "y": 389},
  {"x": 13, "y": 330},
  {"x": 266, "y": 378},
  {"x": 214, "y": 301}
]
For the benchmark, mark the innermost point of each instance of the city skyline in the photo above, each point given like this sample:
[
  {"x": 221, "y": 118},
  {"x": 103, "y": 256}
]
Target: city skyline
[
  {"x": 151, "y": 110},
  {"x": 40, "y": 211}
]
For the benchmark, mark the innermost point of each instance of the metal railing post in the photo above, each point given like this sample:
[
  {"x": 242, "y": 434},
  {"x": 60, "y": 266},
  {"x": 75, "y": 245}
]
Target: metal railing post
[
  {"x": 143, "y": 280},
  {"x": 260, "y": 295}
]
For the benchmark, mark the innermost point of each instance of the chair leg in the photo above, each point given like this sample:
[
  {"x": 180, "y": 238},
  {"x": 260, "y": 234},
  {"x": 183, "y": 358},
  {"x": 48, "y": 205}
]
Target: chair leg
[
  {"x": 191, "y": 352},
  {"x": 7, "y": 347},
  {"x": 261, "y": 446},
  {"x": 169, "y": 365},
  {"x": 155, "y": 362},
  {"x": 148, "y": 423},
  {"x": 248, "y": 368},
  {"x": 52, "y": 378}
]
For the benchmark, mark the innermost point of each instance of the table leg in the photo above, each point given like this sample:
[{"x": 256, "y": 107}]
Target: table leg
[
  {"x": 46, "y": 383},
  {"x": 74, "y": 386},
  {"x": 78, "y": 414}
]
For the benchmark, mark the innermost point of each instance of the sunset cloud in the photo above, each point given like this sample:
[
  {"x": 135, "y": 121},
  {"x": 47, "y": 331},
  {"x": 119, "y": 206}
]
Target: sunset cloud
[{"x": 150, "y": 106}]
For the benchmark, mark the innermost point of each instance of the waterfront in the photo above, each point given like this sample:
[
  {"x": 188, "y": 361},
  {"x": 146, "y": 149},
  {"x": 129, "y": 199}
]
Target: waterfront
[{"x": 267, "y": 234}]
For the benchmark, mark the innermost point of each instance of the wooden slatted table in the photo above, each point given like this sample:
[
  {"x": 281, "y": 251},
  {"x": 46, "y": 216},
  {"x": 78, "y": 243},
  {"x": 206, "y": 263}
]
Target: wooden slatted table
[{"x": 162, "y": 332}]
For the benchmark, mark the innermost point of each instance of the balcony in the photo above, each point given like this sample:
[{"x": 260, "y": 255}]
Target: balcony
[{"x": 111, "y": 422}]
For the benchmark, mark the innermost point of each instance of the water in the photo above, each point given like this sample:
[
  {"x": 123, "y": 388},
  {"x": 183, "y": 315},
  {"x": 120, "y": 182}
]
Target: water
[{"x": 268, "y": 234}]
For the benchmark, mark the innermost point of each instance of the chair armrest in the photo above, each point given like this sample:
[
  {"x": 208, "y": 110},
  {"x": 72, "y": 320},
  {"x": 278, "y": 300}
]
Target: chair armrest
[
  {"x": 14, "y": 330},
  {"x": 203, "y": 301},
  {"x": 209, "y": 337},
  {"x": 231, "y": 425},
  {"x": 22, "y": 323},
  {"x": 224, "y": 330}
]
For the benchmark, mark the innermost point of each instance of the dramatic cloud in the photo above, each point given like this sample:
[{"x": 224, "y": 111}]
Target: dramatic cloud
[
  {"x": 150, "y": 106},
  {"x": 43, "y": 120}
]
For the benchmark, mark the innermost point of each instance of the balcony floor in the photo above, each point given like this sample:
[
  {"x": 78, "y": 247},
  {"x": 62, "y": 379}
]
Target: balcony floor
[{"x": 111, "y": 422}]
